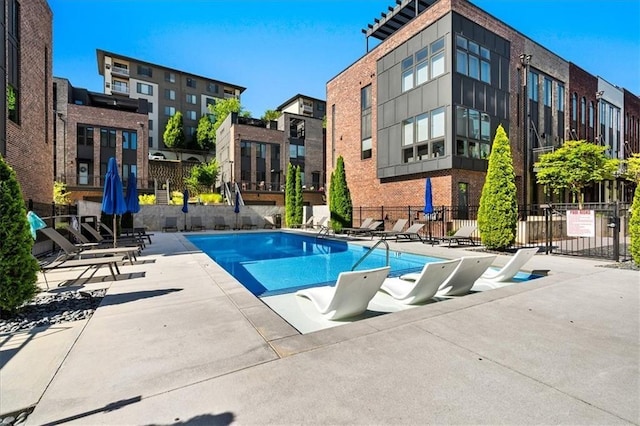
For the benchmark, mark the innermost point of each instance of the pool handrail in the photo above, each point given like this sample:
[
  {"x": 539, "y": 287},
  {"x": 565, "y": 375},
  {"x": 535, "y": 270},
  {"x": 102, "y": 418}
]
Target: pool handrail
[{"x": 369, "y": 252}]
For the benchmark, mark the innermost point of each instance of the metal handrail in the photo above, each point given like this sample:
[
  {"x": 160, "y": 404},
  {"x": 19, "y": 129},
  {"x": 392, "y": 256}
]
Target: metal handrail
[
  {"x": 324, "y": 230},
  {"x": 369, "y": 252}
]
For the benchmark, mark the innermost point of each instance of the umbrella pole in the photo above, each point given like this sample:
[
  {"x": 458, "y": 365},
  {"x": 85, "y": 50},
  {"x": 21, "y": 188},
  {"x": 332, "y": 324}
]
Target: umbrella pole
[{"x": 115, "y": 231}]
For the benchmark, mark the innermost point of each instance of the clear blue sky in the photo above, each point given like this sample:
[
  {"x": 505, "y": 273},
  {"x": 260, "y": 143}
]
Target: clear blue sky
[{"x": 277, "y": 49}]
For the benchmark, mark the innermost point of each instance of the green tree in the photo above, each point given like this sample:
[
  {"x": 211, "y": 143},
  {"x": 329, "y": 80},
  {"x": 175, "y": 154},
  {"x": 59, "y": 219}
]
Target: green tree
[
  {"x": 340, "y": 204},
  {"x": 271, "y": 115},
  {"x": 173, "y": 136},
  {"x": 222, "y": 108},
  {"x": 574, "y": 166},
  {"x": 290, "y": 196},
  {"x": 203, "y": 175},
  {"x": 633, "y": 174},
  {"x": 498, "y": 211},
  {"x": 205, "y": 134},
  {"x": 299, "y": 197},
  {"x": 18, "y": 267}
]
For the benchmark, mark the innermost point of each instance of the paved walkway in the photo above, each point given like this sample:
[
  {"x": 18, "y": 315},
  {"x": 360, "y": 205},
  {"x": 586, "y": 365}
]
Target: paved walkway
[{"x": 179, "y": 341}]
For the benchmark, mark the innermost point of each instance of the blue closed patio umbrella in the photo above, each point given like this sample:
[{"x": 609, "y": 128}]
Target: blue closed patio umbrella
[
  {"x": 185, "y": 206},
  {"x": 131, "y": 197},
  {"x": 236, "y": 208},
  {"x": 112, "y": 198},
  {"x": 428, "y": 204}
]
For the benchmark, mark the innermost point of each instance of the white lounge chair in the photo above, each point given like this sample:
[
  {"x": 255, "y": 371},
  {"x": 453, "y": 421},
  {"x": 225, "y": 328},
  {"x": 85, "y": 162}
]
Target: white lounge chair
[
  {"x": 424, "y": 287},
  {"x": 508, "y": 271},
  {"x": 350, "y": 296},
  {"x": 305, "y": 225},
  {"x": 465, "y": 275}
]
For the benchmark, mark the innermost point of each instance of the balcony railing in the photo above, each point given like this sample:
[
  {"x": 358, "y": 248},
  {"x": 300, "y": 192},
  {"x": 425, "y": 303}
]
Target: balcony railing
[
  {"x": 120, "y": 89},
  {"x": 120, "y": 71}
]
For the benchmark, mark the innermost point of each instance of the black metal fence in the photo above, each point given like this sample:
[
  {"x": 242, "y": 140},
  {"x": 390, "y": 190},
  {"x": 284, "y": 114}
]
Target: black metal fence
[
  {"x": 604, "y": 235},
  {"x": 52, "y": 215}
]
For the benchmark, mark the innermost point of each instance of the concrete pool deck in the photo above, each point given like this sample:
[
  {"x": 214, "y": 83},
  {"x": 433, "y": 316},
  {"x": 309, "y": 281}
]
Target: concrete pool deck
[{"x": 178, "y": 341}]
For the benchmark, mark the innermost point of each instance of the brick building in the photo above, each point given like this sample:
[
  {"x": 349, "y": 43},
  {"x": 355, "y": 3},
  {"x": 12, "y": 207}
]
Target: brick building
[
  {"x": 255, "y": 154},
  {"x": 167, "y": 91},
  {"x": 426, "y": 101},
  {"x": 26, "y": 129},
  {"x": 89, "y": 129}
]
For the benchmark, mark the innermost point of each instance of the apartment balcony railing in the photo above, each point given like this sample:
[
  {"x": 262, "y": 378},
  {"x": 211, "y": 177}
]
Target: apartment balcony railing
[
  {"x": 120, "y": 71},
  {"x": 120, "y": 89}
]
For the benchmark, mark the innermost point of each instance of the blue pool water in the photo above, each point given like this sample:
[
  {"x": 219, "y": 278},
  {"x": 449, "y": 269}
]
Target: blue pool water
[{"x": 269, "y": 263}]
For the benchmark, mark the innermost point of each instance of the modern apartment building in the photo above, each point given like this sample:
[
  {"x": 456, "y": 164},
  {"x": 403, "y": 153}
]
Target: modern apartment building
[
  {"x": 167, "y": 91},
  {"x": 426, "y": 101},
  {"x": 255, "y": 154},
  {"x": 92, "y": 127},
  {"x": 26, "y": 125}
]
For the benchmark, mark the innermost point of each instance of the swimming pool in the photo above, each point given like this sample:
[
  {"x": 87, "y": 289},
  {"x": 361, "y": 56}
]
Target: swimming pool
[{"x": 270, "y": 263}]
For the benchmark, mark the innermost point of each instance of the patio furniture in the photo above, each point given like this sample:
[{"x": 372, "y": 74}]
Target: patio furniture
[
  {"x": 219, "y": 223},
  {"x": 196, "y": 224},
  {"x": 426, "y": 283},
  {"x": 461, "y": 235},
  {"x": 350, "y": 296},
  {"x": 397, "y": 228},
  {"x": 170, "y": 224},
  {"x": 508, "y": 271},
  {"x": 411, "y": 233}
]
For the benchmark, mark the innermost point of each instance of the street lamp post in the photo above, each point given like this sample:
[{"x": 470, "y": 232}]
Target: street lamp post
[{"x": 525, "y": 61}]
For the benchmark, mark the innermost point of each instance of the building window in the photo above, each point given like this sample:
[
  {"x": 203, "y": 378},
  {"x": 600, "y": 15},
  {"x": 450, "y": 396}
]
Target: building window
[
  {"x": 169, "y": 111},
  {"x": 170, "y": 94},
  {"x": 212, "y": 88},
  {"x": 591, "y": 114},
  {"x": 191, "y": 99},
  {"x": 108, "y": 138},
  {"x": 119, "y": 86},
  {"x": 144, "y": 70},
  {"x": 191, "y": 115},
  {"x": 84, "y": 135},
  {"x": 129, "y": 140},
  {"x": 422, "y": 66},
  {"x": 129, "y": 168},
  {"x": 472, "y": 59},
  {"x": 437, "y": 58},
  {"x": 547, "y": 92},
  {"x": 583, "y": 110},
  {"x": 532, "y": 86},
  {"x": 320, "y": 106},
  {"x": 191, "y": 82},
  {"x": 261, "y": 150},
  {"x": 145, "y": 89},
  {"x": 150, "y": 125},
  {"x": 366, "y": 118},
  {"x": 169, "y": 77},
  {"x": 296, "y": 151},
  {"x": 407, "y": 74},
  {"x": 574, "y": 107},
  {"x": 473, "y": 133},
  {"x": 150, "y": 107},
  {"x": 245, "y": 149},
  {"x": 560, "y": 97},
  {"x": 423, "y": 136}
]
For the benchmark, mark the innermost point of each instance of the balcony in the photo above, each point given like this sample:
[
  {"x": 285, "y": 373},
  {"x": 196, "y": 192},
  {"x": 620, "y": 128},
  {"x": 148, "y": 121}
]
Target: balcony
[
  {"x": 120, "y": 89},
  {"x": 120, "y": 71}
]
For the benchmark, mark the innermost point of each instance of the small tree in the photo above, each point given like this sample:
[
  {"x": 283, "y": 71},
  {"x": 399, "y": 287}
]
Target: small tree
[
  {"x": 173, "y": 136},
  {"x": 18, "y": 267},
  {"x": 271, "y": 115},
  {"x": 574, "y": 166},
  {"x": 290, "y": 196},
  {"x": 633, "y": 174},
  {"x": 299, "y": 197},
  {"x": 222, "y": 108},
  {"x": 340, "y": 204},
  {"x": 205, "y": 134},
  {"x": 203, "y": 175},
  {"x": 498, "y": 212}
]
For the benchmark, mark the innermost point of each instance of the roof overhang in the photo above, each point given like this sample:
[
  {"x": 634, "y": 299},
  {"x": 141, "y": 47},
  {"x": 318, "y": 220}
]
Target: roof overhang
[{"x": 391, "y": 21}]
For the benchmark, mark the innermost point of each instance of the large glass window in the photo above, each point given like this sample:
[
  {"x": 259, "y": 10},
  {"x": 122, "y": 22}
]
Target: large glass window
[
  {"x": 560, "y": 97},
  {"x": 547, "y": 92},
  {"x": 472, "y": 59},
  {"x": 407, "y": 74},
  {"x": 129, "y": 139},
  {"x": 473, "y": 130},
  {"x": 145, "y": 89},
  {"x": 144, "y": 70},
  {"x": 366, "y": 117},
  {"x": 108, "y": 138},
  {"x": 84, "y": 135},
  {"x": 170, "y": 94},
  {"x": 423, "y": 136},
  {"x": 532, "y": 86},
  {"x": 415, "y": 68},
  {"x": 422, "y": 66}
]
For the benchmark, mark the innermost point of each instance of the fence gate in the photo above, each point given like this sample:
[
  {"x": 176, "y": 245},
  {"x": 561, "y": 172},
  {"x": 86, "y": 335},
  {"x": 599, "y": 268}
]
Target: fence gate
[{"x": 598, "y": 230}]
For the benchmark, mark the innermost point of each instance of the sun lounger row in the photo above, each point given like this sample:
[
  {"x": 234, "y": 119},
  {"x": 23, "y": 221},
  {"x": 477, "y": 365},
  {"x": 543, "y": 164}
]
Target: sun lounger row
[{"x": 355, "y": 289}]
